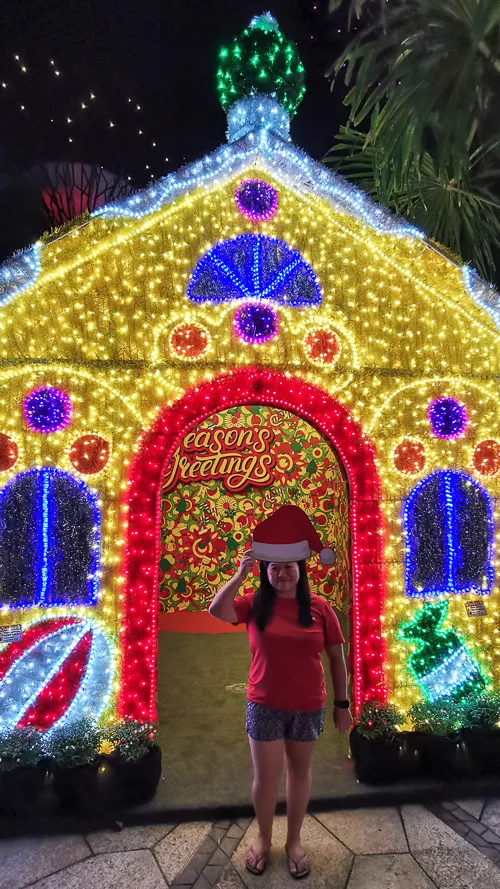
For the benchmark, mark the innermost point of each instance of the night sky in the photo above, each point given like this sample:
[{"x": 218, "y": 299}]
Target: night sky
[{"x": 162, "y": 56}]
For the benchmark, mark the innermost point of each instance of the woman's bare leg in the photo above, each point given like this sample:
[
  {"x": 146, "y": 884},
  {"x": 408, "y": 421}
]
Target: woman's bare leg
[
  {"x": 298, "y": 756},
  {"x": 267, "y": 759}
]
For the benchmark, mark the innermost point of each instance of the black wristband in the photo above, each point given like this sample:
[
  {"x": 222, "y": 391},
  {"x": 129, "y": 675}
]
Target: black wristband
[{"x": 342, "y": 705}]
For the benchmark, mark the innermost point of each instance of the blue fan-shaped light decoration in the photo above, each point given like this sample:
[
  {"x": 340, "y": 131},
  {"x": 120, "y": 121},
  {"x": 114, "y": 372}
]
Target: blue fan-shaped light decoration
[{"x": 254, "y": 267}]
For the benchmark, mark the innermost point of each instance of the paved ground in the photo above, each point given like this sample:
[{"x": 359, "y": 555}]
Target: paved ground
[{"x": 407, "y": 848}]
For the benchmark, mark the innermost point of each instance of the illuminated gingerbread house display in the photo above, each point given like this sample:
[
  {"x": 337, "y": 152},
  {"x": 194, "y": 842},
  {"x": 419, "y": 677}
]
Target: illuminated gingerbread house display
[{"x": 247, "y": 332}]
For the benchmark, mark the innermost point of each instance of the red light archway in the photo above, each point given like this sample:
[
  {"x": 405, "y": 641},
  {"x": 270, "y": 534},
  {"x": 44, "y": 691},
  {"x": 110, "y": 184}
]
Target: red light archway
[{"x": 333, "y": 420}]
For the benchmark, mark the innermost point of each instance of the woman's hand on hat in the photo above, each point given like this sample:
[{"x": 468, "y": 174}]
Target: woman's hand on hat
[{"x": 247, "y": 562}]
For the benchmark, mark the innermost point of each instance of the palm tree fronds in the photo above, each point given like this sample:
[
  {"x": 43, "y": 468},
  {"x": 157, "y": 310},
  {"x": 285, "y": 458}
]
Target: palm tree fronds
[
  {"x": 423, "y": 135},
  {"x": 464, "y": 214}
]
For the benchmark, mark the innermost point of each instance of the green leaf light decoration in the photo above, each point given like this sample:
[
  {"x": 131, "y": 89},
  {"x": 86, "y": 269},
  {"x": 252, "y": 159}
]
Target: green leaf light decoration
[{"x": 261, "y": 61}]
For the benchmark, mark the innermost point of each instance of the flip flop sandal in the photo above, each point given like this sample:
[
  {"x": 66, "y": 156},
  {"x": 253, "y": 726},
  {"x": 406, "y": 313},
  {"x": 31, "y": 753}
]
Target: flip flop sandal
[
  {"x": 297, "y": 874},
  {"x": 255, "y": 870}
]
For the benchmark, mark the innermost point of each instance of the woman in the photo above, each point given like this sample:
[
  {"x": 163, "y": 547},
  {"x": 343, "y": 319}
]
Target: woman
[{"x": 288, "y": 628}]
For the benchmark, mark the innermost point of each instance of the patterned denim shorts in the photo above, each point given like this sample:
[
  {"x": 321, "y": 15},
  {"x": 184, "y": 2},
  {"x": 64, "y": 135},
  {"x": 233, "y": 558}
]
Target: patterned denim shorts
[{"x": 264, "y": 724}]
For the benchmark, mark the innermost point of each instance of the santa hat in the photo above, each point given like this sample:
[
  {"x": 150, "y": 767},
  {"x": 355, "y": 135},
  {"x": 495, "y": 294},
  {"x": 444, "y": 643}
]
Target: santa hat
[{"x": 288, "y": 536}]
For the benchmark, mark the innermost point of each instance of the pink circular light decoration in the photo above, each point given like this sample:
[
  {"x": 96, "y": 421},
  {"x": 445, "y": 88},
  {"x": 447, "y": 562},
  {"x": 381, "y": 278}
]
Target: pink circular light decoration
[
  {"x": 255, "y": 323},
  {"x": 256, "y": 200},
  {"x": 47, "y": 409}
]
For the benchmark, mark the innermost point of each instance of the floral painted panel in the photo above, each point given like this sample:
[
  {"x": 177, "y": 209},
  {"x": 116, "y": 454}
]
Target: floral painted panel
[{"x": 227, "y": 475}]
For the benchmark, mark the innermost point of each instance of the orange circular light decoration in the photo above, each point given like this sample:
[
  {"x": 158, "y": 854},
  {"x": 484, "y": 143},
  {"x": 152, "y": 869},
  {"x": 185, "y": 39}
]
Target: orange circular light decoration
[
  {"x": 8, "y": 452},
  {"x": 409, "y": 457},
  {"x": 89, "y": 453},
  {"x": 189, "y": 341},
  {"x": 486, "y": 457},
  {"x": 322, "y": 346}
]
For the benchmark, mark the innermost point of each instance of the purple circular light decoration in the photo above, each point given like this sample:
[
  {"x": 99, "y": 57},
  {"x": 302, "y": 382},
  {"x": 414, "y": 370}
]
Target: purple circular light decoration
[
  {"x": 255, "y": 323},
  {"x": 47, "y": 409},
  {"x": 257, "y": 200},
  {"x": 447, "y": 417}
]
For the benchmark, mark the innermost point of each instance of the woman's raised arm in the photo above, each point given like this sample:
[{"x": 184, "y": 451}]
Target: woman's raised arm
[{"x": 222, "y": 606}]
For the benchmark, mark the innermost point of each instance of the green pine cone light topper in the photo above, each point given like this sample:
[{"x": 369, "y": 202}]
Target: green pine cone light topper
[
  {"x": 261, "y": 61},
  {"x": 441, "y": 664}
]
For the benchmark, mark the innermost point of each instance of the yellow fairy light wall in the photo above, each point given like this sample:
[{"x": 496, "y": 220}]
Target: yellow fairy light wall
[
  {"x": 402, "y": 416},
  {"x": 102, "y": 323}
]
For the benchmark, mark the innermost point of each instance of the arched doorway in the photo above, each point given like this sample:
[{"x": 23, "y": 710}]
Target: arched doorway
[
  {"x": 157, "y": 448},
  {"x": 231, "y": 471}
]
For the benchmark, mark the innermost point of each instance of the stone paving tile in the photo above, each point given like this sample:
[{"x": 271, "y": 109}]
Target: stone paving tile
[
  {"x": 27, "y": 859},
  {"x": 199, "y": 861},
  {"x": 330, "y": 860},
  {"x": 478, "y": 834},
  {"x": 219, "y": 857},
  {"x": 491, "y": 837},
  {"x": 476, "y": 826},
  {"x": 443, "y": 815},
  {"x": 128, "y": 839},
  {"x": 472, "y": 806},
  {"x": 367, "y": 831},
  {"x": 186, "y": 878},
  {"x": 462, "y": 853},
  {"x": 492, "y": 854},
  {"x": 202, "y": 883},
  {"x": 212, "y": 872},
  {"x": 387, "y": 872},
  {"x": 229, "y": 879},
  {"x": 461, "y": 829},
  {"x": 216, "y": 833},
  {"x": 425, "y": 831},
  {"x": 175, "y": 850},
  {"x": 459, "y": 868},
  {"x": 229, "y": 844},
  {"x": 476, "y": 841},
  {"x": 491, "y": 815},
  {"x": 112, "y": 871},
  {"x": 235, "y": 832},
  {"x": 208, "y": 845}
]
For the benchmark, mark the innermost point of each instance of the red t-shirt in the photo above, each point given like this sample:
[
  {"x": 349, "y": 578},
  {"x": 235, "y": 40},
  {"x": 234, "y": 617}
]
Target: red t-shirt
[{"x": 286, "y": 671}]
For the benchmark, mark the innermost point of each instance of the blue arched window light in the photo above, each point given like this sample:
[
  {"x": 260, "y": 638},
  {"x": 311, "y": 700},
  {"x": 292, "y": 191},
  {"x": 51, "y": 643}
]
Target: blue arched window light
[
  {"x": 448, "y": 532},
  {"x": 254, "y": 267},
  {"x": 49, "y": 540}
]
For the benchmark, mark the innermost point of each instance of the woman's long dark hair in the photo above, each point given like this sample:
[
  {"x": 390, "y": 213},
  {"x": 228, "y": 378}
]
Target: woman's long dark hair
[{"x": 263, "y": 604}]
